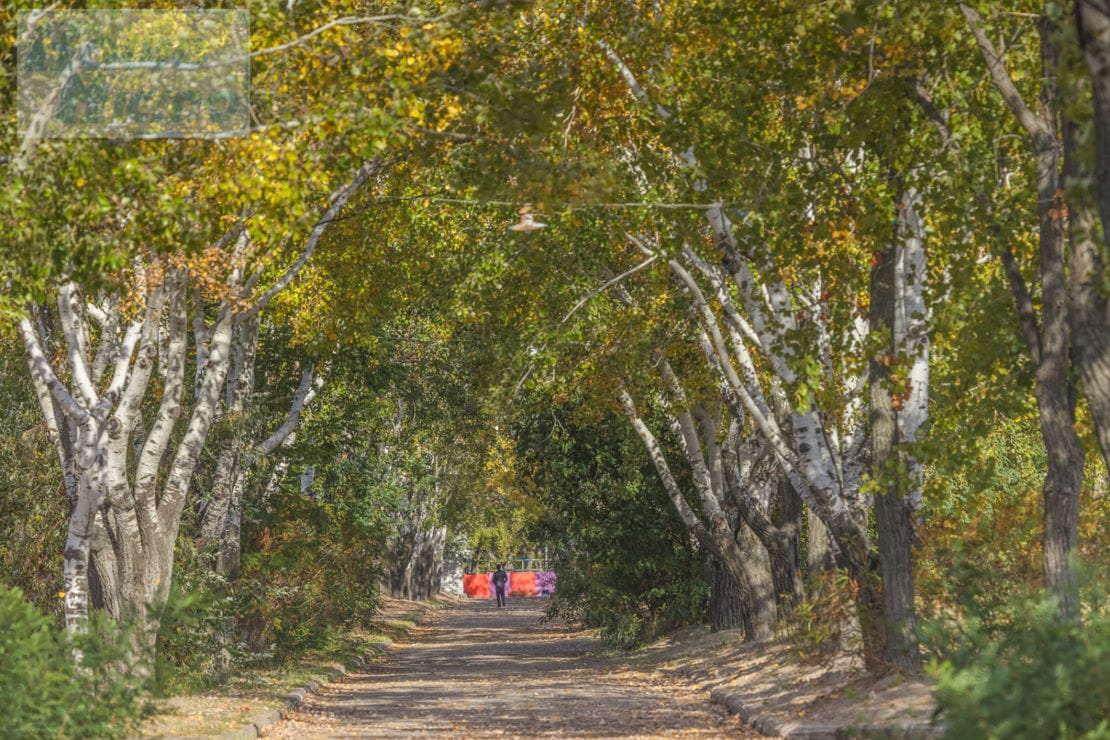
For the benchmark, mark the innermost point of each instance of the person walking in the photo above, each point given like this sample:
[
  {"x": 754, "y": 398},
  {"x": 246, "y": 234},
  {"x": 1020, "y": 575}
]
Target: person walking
[{"x": 500, "y": 578}]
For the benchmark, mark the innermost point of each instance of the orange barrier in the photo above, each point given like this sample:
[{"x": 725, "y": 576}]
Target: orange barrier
[
  {"x": 476, "y": 585},
  {"x": 522, "y": 583}
]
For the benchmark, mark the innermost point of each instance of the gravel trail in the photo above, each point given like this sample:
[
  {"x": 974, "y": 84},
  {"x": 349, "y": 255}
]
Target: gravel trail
[{"x": 478, "y": 671}]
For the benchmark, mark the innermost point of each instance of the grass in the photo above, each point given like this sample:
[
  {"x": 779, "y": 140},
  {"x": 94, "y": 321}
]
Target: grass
[{"x": 248, "y": 695}]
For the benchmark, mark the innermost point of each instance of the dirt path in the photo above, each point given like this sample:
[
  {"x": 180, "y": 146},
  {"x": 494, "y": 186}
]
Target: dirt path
[{"x": 476, "y": 670}]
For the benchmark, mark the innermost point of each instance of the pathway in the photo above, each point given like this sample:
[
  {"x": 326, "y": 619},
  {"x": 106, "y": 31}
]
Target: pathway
[{"x": 479, "y": 671}]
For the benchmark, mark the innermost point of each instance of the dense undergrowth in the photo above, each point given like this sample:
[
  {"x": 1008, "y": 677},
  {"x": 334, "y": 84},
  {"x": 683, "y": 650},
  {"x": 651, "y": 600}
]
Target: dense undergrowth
[
  {"x": 309, "y": 574},
  {"x": 1009, "y": 668},
  {"x": 47, "y": 691}
]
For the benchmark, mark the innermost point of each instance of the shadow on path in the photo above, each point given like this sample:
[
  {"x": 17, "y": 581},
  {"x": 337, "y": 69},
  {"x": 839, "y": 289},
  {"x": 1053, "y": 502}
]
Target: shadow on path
[{"x": 479, "y": 671}]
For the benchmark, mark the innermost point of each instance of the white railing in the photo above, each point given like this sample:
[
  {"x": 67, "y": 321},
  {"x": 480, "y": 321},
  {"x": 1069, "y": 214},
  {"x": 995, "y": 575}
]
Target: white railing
[{"x": 487, "y": 565}]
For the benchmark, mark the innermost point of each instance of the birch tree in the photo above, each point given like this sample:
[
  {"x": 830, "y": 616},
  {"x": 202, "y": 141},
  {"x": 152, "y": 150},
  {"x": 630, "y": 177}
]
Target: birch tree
[
  {"x": 221, "y": 512},
  {"x": 125, "y": 515},
  {"x": 1047, "y": 336},
  {"x": 790, "y": 174},
  {"x": 710, "y": 524},
  {"x": 193, "y": 240}
]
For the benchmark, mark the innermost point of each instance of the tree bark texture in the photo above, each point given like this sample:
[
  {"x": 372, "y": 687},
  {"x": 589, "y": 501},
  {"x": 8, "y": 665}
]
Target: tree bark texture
[
  {"x": 128, "y": 482},
  {"x": 1089, "y": 307},
  {"x": 892, "y": 507},
  {"x": 726, "y": 599},
  {"x": 1050, "y": 342},
  {"x": 779, "y": 540}
]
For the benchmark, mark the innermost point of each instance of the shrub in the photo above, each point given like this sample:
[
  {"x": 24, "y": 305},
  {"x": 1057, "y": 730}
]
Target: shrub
[
  {"x": 44, "y": 693},
  {"x": 627, "y": 611},
  {"x": 824, "y": 624},
  {"x": 197, "y": 643},
  {"x": 309, "y": 568},
  {"x": 1025, "y": 675}
]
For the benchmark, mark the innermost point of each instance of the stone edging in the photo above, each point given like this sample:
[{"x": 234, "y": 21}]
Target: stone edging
[
  {"x": 296, "y": 697},
  {"x": 812, "y": 731}
]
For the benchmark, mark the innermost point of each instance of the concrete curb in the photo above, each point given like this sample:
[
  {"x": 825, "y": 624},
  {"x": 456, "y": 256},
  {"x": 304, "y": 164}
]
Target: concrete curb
[
  {"x": 813, "y": 731},
  {"x": 296, "y": 697}
]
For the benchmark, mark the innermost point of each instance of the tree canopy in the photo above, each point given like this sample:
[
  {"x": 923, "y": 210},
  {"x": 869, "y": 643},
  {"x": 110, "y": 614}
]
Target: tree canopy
[{"x": 795, "y": 289}]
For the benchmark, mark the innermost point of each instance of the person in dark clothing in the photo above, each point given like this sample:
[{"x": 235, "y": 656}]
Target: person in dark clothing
[{"x": 500, "y": 578}]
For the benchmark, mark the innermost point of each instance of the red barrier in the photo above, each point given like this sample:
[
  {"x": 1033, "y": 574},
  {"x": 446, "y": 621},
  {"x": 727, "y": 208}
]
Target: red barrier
[
  {"x": 522, "y": 583},
  {"x": 476, "y": 585}
]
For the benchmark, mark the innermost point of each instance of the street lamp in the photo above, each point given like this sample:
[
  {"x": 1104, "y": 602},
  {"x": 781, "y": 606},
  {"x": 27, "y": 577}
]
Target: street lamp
[{"x": 527, "y": 222}]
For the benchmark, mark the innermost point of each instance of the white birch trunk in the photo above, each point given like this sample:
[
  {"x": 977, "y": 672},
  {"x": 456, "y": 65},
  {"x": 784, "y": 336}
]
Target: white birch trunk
[
  {"x": 806, "y": 458},
  {"x": 770, "y": 310},
  {"x": 911, "y": 335},
  {"x": 713, "y": 529},
  {"x": 125, "y": 503}
]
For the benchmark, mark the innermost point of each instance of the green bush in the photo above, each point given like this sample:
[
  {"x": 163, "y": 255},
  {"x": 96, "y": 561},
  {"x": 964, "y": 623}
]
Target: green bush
[
  {"x": 628, "y": 611},
  {"x": 197, "y": 644},
  {"x": 1024, "y": 675},
  {"x": 624, "y": 559},
  {"x": 309, "y": 568},
  {"x": 44, "y": 693}
]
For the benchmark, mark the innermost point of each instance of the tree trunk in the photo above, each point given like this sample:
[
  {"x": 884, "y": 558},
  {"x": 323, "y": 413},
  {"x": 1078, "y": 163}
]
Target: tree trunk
[
  {"x": 713, "y": 533},
  {"x": 222, "y": 512},
  {"x": 122, "y": 528},
  {"x": 778, "y": 548},
  {"x": 760, "y": 604},
  {"x": 785, "y": 551},
  {"x": 819, "y": 547},
  {"x": 1055, "y": 391},
  {"x": 1089, "y": 308},
  {"x": 893, "y": 514},
  {"x": 811, "y": 465},
  {"x": 1050, "y": 342},
  {"x": 726, "y": 599},
  {"x": 126, "y": 490},
  {"x": 427, "y": 578}
]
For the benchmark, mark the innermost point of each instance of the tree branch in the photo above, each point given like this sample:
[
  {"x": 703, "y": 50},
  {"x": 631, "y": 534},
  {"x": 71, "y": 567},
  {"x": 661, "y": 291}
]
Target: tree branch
[
  {"x": 933, "y": 113},
  {"x": 338, "y": 199},
  {"x": 40, "y": 366},
  {"x": 71, "y": 316},
  {"x": 303, "y": 396},
  {"x": 1005, "y": 84},
  {"x": 350, "y": 21},
  {"x": 607, "y": 285},
  {"x": 1027, "y": 314},
  {"x": 670, "y": 485},
  {"x": 633, "y": 84},
  {"x": 686, "y": 431}
]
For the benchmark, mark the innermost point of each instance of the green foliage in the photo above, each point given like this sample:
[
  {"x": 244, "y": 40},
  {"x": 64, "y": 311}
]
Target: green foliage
[
  {"x": 814, "y": 629},
  {"x": 630, "y": 606},
  {"x": 504, "y": 535},
  {"x": 32, "y": 506},
  {"x": 45, "y": 694},
  {"x": 197, "y": 643},
  {"x": 1016, "y": 671},
  {"x": 625, "y": 562},
  {"x": 309, "y": 567}
]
